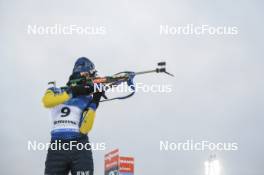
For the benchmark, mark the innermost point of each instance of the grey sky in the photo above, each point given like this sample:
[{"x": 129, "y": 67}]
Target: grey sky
[{"x": 217, "y": 93}]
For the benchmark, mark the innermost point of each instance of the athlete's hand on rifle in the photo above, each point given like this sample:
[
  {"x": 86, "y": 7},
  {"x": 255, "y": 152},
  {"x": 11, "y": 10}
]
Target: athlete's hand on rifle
[
  {"x": 79, "y": 89},
  {"x": 97, "y": 97}
]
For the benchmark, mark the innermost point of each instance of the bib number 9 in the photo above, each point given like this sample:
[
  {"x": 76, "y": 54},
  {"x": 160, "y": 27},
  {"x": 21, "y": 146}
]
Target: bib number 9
[{"x": 65, "y": 111}]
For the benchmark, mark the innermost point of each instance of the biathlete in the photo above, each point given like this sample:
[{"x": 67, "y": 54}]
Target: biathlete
[{"x": 73, "y": 113}]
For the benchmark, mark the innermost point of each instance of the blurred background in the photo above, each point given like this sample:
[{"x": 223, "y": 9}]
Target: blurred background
[{"x": 217, "y": 94}]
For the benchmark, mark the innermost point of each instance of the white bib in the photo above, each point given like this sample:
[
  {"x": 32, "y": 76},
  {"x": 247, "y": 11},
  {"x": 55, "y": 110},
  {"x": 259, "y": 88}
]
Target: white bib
[{"x": 65, "y": 118}]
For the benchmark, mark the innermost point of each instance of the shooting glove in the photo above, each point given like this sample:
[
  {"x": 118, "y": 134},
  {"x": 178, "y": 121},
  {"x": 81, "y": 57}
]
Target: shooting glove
[
  {"x": 96, "y": 98},
  {"x": 79, "y": 89}
]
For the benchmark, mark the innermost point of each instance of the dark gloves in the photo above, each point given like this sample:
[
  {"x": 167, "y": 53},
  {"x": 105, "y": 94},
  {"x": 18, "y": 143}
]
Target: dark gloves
[
  {"x": 96, "y": 98},
  {"x": 79, "y": 87},
  {"x": 80, "y": 90}
]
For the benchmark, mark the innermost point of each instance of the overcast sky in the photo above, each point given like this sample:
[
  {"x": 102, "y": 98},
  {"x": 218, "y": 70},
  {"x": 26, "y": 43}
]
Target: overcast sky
[{"x": 217, "y": 94}]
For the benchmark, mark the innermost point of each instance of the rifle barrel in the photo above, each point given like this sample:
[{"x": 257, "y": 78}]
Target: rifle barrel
[{"x": 145, "y": 72}]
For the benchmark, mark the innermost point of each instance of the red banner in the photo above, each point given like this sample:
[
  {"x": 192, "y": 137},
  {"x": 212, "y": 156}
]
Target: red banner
[
  {"x": 126, "y": 164},
  {"x": 111, "y": 160}
]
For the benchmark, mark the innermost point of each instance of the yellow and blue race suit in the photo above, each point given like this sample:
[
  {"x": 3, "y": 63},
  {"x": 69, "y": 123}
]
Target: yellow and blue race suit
[{"x": 71, "y": 117}]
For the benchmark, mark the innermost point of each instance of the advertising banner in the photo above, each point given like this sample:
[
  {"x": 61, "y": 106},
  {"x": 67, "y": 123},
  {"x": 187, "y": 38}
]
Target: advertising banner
[{"x": 111, "y": 162}]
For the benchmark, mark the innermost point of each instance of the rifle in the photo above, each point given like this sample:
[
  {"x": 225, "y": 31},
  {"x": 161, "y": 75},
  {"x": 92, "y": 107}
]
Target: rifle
[{"x": 115, "y": 80}]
